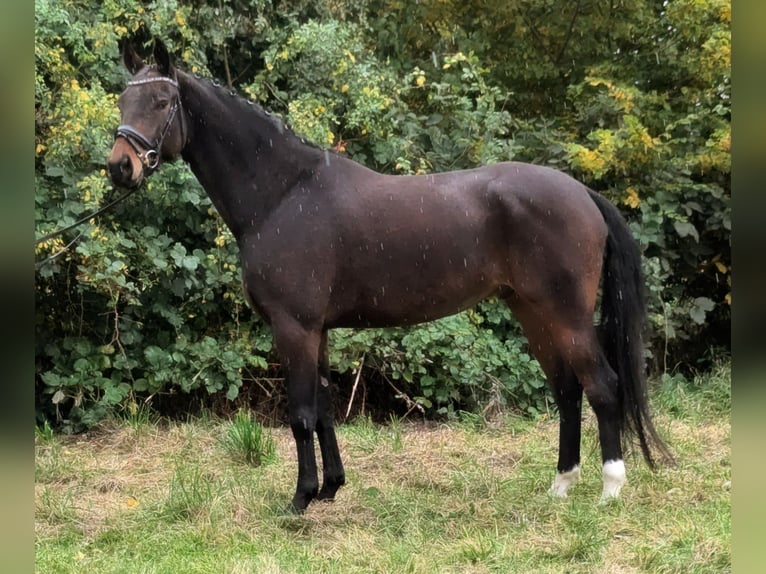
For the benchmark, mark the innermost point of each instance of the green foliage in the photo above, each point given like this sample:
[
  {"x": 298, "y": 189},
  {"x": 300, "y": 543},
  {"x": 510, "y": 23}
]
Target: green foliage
[
  {"x": 697, "y": 398},
  {"x": 146, "y": 304},
  {"x": 44, "y": 434},
  {"x": 458, "y": 361}
]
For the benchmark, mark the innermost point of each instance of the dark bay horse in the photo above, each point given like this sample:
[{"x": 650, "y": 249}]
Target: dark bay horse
[{"x": 326, "y": 242}]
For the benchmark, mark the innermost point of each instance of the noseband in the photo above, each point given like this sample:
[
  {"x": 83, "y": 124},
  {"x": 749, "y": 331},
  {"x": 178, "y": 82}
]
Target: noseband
[{"x": 149, "y": 152}]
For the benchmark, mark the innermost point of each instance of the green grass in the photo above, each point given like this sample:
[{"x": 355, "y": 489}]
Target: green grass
[
  {"x": 467, "y": 497},
  {"x": 248, "y": 441}
]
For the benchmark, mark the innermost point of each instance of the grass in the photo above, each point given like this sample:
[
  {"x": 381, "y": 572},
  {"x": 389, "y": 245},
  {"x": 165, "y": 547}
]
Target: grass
[
  {"x": 467, "y": 497},
  {"x": 246, "y": 440}
]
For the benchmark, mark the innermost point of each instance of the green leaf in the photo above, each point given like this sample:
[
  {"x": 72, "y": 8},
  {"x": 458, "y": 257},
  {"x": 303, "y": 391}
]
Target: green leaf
[
  {"x": 156, "y": 356},
  {"x": 700, "y": 308},
  {"x": 140, "y": 384},
  {"x": 115, "y": 393},
  {"x": 424, "y": 402},
  {"x": 684, "y": 229},
  {"x": 190, "y": 262}
]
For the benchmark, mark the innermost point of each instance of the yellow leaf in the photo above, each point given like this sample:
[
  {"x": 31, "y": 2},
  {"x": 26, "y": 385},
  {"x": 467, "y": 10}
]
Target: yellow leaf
[
  {"x": 728, "y": 298},
  {"x": 721, "y": 267},
  {"x": 632, "y": 198}
]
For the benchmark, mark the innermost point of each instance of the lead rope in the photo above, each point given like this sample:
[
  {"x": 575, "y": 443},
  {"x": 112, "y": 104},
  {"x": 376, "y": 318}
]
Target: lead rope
[{"x": 77, "y": 223}]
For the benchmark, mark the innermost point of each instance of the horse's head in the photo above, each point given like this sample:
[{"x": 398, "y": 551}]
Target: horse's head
[{"x": 152, "y": 124}]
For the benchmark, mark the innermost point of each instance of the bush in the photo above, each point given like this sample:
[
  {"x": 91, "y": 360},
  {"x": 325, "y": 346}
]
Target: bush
[
  {"x": 146, "y": 303},
  {"x": 455, "y": 363}
]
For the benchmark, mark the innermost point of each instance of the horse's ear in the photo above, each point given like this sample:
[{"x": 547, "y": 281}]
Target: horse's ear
[
  {"x": 133, "y": 61},
  {"x": 162, "y": 58}
]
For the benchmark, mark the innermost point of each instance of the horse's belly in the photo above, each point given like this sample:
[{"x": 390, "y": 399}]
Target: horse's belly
[{"x": 409, "y": 300}]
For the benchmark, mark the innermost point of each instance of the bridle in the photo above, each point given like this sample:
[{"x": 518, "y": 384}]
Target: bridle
[{"x": 149, "y": 152}]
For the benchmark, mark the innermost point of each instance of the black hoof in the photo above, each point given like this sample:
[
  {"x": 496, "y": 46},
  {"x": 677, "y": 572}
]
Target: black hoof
[
  {"x": 293, "y": 510},
  {"x": 301, "y": 501},
  {"x": 324, "y": 496},
  {"x": 330, "y": 488}
]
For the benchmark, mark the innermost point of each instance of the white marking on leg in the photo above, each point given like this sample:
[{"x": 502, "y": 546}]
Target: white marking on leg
[
  {"x": 614, "y": 478},
  {"x": 564, "y": 480}
]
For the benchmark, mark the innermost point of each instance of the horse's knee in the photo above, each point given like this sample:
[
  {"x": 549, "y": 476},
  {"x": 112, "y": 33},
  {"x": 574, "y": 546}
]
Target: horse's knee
[{"x": 303, "y": 422}]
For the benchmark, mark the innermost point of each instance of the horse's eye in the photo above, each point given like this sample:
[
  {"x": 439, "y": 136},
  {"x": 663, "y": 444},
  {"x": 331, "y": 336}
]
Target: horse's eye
[{"x": 162, "y": 103}]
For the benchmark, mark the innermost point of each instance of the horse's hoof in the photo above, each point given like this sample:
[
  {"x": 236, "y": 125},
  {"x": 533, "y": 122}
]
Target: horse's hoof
[
  {"x": 564, "y": 481},
  {"x": 300, "y": 503},
  {"x": 330, "y": 488},
  {"x": 325, "y": 496},
  {"x": 614, "y": 479}
]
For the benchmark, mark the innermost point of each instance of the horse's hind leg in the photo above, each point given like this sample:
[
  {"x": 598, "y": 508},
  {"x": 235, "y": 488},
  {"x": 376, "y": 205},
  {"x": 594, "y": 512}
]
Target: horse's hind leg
[
  {"x": 564, "y": 340},
  {"x": 333, "y": 475},
  {"x": 583, "y": 352},
  {"x": 566, "y": 391},
  {"x": 568, "y": 395}
]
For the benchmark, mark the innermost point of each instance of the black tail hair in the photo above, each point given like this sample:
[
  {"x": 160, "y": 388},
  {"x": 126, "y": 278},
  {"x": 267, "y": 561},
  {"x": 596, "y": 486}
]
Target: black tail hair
[{"x": 623, "y": 313}]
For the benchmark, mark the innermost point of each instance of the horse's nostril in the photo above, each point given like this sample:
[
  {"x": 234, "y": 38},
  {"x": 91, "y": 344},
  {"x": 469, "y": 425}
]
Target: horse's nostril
[
  {"x": 121, "y": 170},
  {"x": 114, "y": 171},
  {"x": 125, "y": 167}
]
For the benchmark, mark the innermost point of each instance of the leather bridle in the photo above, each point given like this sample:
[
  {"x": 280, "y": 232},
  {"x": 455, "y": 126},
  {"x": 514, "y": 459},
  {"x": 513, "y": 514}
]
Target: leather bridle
[{"x": 149, "y": 152}]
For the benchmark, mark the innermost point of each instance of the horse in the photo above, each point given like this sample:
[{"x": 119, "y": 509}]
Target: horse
[{"x": 326, "y": 242}]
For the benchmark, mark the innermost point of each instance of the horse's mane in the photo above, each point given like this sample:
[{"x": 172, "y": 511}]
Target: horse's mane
[{"x": 248, "y": 106}]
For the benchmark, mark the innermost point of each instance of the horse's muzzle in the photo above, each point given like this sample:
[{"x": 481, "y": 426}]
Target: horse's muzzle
[{"x": 121, "y": 172}]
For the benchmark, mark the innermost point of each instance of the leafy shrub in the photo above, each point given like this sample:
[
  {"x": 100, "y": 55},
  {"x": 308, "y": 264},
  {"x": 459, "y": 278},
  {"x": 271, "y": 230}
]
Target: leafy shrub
[
  {"x": 450, "y": 364},
  {"x": 146, "y": 303}
]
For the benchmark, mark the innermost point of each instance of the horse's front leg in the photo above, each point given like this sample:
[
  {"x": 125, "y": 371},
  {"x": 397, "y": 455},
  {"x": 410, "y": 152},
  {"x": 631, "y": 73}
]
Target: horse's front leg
[
  {"x": 333, "y": 475},
  {"x": 298, "y": 348}
]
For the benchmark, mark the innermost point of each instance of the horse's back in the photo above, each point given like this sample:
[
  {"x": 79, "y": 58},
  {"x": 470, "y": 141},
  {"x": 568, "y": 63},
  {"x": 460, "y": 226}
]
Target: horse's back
[
  {"x": 535, "y": 208},
  {"x": 413, "y": 248}
]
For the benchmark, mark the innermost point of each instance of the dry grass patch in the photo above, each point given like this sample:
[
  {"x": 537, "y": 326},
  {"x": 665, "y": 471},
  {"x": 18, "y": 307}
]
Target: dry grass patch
[{"x": 419, "y": 498}]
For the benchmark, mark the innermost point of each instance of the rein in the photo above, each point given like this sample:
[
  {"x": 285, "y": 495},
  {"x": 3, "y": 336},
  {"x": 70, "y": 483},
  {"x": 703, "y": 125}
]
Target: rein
[
  {"x": 77, "y": 223},
  {"x": 149, "y": 152}
]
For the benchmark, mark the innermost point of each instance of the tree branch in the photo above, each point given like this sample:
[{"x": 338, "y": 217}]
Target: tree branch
[{"x": 569, "y": 33}]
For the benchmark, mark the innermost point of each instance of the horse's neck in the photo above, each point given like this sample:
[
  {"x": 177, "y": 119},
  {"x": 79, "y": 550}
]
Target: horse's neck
[{"x": 246, "y": 161}]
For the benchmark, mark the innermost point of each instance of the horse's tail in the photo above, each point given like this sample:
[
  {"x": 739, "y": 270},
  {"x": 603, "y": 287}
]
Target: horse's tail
[{"x": 623, "y": 313}]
